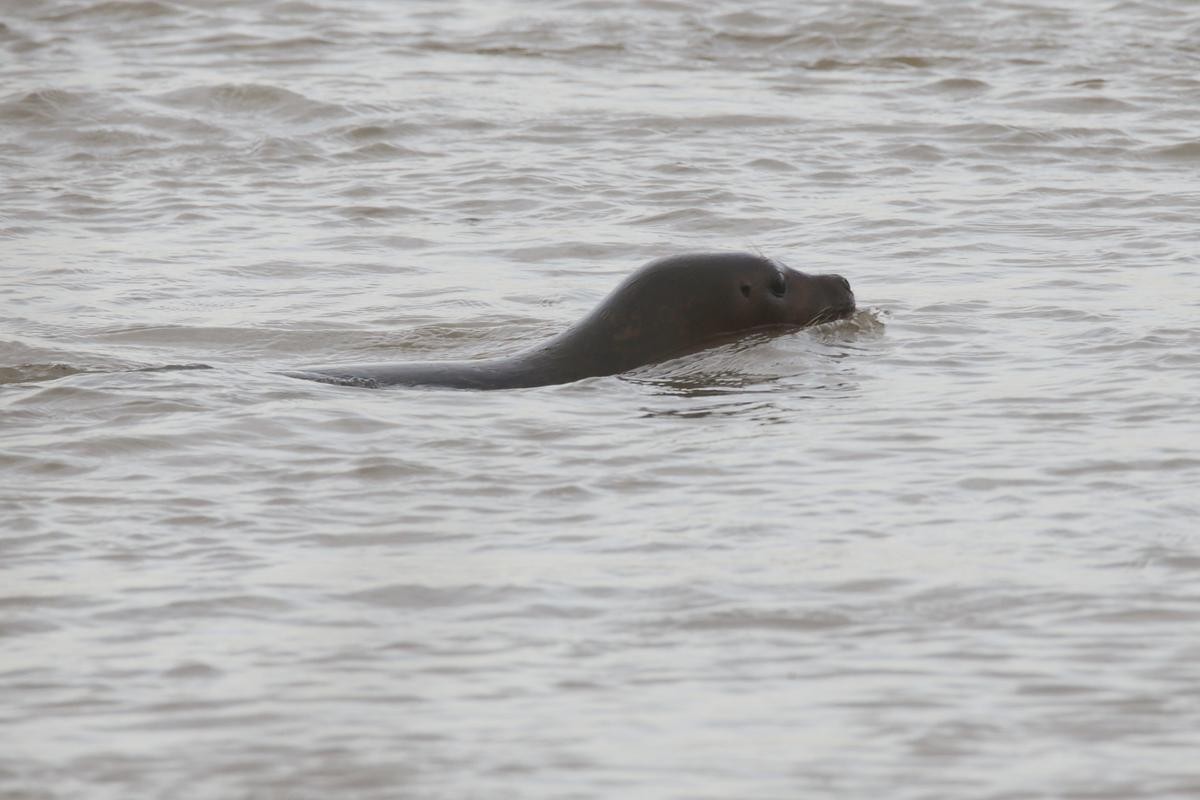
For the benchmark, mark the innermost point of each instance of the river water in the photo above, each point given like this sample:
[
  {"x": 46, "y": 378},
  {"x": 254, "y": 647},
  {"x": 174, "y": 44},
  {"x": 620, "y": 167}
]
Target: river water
[{"x": 948, "y": 548}]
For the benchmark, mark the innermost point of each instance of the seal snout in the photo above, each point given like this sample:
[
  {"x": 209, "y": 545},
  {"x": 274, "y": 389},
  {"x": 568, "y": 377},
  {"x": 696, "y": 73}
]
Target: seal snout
[
  {"x": 841, "y": 294},
  {"x": 838, "y": 298}
]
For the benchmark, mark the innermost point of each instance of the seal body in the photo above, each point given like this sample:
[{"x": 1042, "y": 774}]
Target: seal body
[{"x": 668, "y": 308}]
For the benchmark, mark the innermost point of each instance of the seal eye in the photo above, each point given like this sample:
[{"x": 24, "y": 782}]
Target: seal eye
[
  {"x": 778, "y": 285},
  {"x": 745, "y": 290}
]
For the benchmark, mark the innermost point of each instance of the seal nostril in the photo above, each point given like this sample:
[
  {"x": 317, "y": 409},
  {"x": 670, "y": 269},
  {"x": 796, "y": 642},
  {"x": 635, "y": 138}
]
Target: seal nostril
[
  {"x": 745, "y": 290},
  {"x": 845, "y": 283}
]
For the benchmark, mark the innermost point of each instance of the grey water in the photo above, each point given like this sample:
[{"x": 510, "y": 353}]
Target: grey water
[{"x": 947, "y": 548}]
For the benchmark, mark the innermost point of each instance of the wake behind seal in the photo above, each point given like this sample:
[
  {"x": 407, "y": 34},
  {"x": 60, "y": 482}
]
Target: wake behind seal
[{"x": 669, "y": 308}]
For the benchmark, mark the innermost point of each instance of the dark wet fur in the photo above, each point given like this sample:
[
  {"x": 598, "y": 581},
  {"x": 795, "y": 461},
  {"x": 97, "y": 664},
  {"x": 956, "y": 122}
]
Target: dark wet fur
[{"x": 666, "y": 309}]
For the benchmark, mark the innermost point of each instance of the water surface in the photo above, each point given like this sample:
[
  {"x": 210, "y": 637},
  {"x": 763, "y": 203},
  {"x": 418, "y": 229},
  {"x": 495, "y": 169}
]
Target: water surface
[{"x": 947, "y": 548}]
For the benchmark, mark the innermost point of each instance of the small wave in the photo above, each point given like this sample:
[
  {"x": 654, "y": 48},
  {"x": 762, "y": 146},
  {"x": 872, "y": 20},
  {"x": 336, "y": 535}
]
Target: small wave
[
  {"x": 958, "y": 86},
  {"x": 299, "y": 8},
  {"x": 378, "y": 131},
  {"x": 33, "y": 373},
  {"x": 772, "y": 165},
  {"x": 236, "y": 606},
  {"x": 1187, "y": 151},
  {"x": 299, "y": 47},
  {"x": 52, "y": 371},
  {"x": 1095, "y": 104},
  {"x": 15, "y": 40},
  {"x": 864, "y": 320},
  {"x": 44, "y": 105},
  {"x": 285, "y": 148},
  {"x": 379, "y": 151},
  {"x": 366, "y": 213},
  {"x": 746, "y": 19},
  {"x": 829, "y": 64},
  {"x": 713, "y": 122},
  {"x": 252, "y": 98},
  {"x": 740, "y": 366},
  {"x": 762, "y": 619},
  {"x": 115, "y": 139},
  {"x": 171, "y": 368},
  {"x": 542, "y": 49},
  {"x": 922, "y": 153},
  {"x": 416, "y": 596},
  {"x": 119, "y": 10},
  {"x": 192, "y": 670}
]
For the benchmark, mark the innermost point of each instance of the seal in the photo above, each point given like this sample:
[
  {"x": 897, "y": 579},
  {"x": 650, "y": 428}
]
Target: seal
[{"x": 669, "y": 308}]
